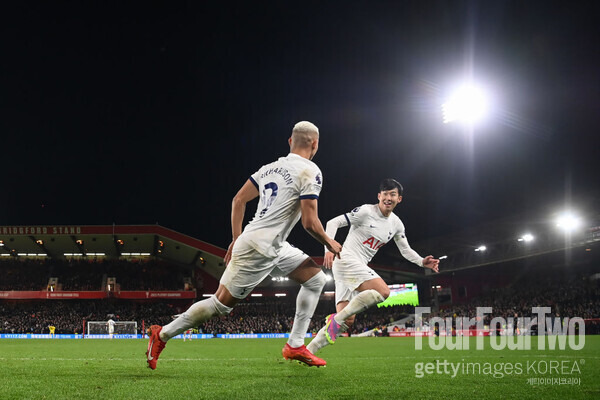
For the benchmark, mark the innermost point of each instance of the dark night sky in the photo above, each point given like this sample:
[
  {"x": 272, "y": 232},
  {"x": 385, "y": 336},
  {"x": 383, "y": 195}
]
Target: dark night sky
[{"x": 158, "y": 112}]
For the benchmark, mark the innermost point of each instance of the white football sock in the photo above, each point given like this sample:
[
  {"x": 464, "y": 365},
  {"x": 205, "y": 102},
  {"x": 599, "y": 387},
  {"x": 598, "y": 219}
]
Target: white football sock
[
  {"x": 360, "y": 303},
  {"x": 321, "y": 341},
  {"x": 318, "y": 342},
  {"x": 195, "y": 315},
  {"x": 306, "y": 302}
]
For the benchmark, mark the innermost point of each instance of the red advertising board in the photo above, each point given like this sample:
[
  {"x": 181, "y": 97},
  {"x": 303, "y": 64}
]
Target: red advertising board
[{"x": 45, "y": 295}]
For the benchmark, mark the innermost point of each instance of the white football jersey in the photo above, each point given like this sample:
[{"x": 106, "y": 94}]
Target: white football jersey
[
  {"x": 281, "y": 185},
  {"x": 369, "y": 231}
]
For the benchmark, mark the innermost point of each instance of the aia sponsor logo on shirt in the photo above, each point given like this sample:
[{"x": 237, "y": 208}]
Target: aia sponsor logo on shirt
[{"x": 373, "y": 243}]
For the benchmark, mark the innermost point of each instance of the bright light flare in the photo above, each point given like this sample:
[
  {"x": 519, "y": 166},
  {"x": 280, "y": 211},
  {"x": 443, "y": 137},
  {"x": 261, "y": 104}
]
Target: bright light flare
[
  {"x": 468, "y": 104},
  {"x": 481, "y": 248},
  {"x": 568, "y": 222},
  {"x": 528, "y": 237}
]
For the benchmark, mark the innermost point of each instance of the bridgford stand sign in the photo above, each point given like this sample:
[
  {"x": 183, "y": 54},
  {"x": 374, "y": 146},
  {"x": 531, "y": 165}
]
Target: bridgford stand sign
[{"x": 40, "y": 230}]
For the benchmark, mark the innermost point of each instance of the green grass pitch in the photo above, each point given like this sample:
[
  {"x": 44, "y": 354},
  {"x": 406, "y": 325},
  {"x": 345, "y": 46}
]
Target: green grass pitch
[{"x": 358, "y": 368}]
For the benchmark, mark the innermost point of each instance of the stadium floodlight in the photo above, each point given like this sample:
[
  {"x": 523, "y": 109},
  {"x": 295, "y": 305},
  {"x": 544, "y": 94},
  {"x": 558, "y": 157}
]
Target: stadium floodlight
[
  {"x": 467, "y": 104},
  {"x": 481, "y": 248},
  {"x": 528, "y": 237},
  {"x": 568, "y": 222},
  {"x": 280, "y": 294},
  {"x": 256, "y": 295}
]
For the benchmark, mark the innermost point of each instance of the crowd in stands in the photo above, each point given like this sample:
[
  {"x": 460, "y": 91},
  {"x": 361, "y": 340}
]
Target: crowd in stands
[
  {"x": 68, "y": 316},
  {"x": 270, "y": 315},
  {"x": 147, "y": 275},
  {"x": 82, "y": 275},
  {"x": 17, "y": 275},
  {"x": 568, "y": 294},
  {"x": 276, "y": 315}
]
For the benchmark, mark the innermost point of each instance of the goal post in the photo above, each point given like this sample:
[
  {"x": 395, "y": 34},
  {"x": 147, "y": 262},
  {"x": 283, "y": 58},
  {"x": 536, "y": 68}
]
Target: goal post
[{"x": 121, "y": 328}]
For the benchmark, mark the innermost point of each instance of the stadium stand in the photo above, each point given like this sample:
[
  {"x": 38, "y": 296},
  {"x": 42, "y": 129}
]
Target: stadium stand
[{"x": 149, "y": 273}]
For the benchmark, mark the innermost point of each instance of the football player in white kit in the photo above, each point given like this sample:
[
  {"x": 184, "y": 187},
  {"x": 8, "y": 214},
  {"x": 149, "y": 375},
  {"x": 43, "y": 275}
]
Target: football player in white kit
[
  {"x": 357, "y": 286},
  {"x": 289, "y": 189},
  {"x": 111, "y": 327}
]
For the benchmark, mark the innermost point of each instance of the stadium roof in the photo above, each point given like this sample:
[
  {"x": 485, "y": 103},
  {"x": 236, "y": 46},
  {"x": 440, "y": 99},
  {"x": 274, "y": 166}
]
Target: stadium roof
[{"x": 110, "y": 242}]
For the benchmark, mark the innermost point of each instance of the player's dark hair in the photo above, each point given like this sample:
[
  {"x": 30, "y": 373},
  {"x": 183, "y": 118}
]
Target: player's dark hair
[{"x": 390, "y": 184}]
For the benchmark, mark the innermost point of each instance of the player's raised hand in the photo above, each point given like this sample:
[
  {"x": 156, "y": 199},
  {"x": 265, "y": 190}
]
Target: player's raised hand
[
  {"x": 335, "y": 248},
  {"x": 431, "y": 263},
  {"x": 328, "y": 259}
]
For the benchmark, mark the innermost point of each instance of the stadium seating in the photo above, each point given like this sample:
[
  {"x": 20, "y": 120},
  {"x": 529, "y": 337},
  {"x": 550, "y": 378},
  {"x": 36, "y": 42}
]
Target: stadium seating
[{"x": 572, "y": 293}]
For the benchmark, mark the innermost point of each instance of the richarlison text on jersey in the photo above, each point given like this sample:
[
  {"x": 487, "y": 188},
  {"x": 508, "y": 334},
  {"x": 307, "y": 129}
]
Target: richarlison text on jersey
[{"x": 280, "y": 171}]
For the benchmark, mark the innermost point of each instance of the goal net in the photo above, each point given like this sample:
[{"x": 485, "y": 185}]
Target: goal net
[{"x": 121, "y": 328}]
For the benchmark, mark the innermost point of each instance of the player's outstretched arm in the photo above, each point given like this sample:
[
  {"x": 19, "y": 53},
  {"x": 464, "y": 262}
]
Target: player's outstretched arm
[
  {"x": 247, "y": 193},
  {"x": 312, "y": 224},
  {"x": 412, "y": 256}
]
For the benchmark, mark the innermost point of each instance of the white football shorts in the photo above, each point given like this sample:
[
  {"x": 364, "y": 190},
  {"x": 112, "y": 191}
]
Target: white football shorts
[
  {"x": 350, "y": 274},
  {"x": 248, "y": 267}
]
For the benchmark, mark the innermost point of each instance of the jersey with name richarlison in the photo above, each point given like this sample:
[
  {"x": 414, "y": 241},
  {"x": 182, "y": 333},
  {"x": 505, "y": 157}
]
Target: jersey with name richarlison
[
  {"x": 369, "y": 231},
  {"x": 281, "y": 186}
]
